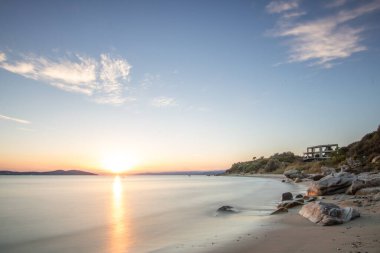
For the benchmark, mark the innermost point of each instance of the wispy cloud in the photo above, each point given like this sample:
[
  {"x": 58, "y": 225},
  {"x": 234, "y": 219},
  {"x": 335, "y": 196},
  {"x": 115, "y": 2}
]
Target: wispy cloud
[
  {"x": 281, "y": 6},
  {"x": 163, "y": 102},
  {"x": 148, "y": 80},
  {"x": 323, "y": 41},
  {"x": 3, "y": 57},
  {"x": 20, "y": 121},
  {"x": 26, "y": 129},
  {"x": 104, "y": 79},
  {"x": 336, "y": 3}
]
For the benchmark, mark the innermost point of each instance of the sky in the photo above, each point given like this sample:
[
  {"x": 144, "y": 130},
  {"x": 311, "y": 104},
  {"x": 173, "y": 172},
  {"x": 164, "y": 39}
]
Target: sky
[{"x": 165, "y": 85}]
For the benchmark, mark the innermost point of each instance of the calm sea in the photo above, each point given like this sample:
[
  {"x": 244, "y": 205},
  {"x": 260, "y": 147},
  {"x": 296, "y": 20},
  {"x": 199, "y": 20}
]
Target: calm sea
[{"x": 93, "y": 214}]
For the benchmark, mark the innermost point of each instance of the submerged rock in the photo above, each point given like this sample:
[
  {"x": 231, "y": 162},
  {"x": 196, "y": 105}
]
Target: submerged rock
[
  {"x": 290, "y": 203},
  {"x": 227, "y": 209},
  {"x": 331, "y": 184},
  {"x": 328, "y": 214},
  {"x": 287, "y": 196},
  {"x": 309, "y": 198},
  {"x": 280, "y": 210}
]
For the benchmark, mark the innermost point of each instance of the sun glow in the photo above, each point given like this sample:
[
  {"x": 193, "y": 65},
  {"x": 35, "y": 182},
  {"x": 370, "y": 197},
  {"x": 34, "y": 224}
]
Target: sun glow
[{"x": 117, "y": 163}]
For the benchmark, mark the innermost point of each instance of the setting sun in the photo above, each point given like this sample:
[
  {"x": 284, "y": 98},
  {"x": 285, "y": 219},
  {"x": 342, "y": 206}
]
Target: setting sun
[{"x": 117, "y": 163}]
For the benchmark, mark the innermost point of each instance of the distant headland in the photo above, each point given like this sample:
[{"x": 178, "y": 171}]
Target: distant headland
[
  {"x": 175, "y": 173},
  {"x": 48, "y": 173},
  {"x": 360, "y": 156}
]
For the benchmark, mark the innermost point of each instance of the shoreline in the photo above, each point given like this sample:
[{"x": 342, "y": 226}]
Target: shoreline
[
  {"x": 290, "y": 232},
  {"x": 275, "y": 176}
]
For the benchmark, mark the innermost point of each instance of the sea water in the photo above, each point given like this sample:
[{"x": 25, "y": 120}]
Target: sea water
[{"x": 136, "y": 214}]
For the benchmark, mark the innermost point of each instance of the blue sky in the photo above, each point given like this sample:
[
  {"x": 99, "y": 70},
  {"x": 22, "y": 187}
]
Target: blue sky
[{"x": 183, "y": 84}]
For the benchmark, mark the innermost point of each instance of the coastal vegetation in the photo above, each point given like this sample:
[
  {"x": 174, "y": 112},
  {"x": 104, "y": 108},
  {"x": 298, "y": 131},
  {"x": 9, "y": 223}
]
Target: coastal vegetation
[{"x": 363, "y": 155}]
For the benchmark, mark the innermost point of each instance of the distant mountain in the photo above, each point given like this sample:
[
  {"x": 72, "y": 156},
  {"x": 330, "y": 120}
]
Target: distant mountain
[
  {"x": 53, "y": 173},
  {"x": 212, "y": 172}
]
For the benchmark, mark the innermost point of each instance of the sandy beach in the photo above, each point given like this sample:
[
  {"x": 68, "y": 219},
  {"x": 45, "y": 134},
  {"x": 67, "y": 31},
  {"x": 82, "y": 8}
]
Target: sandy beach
[{"x": 290, "y": 232}]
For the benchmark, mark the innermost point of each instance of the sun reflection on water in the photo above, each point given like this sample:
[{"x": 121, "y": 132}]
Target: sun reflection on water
[{"x": 119, "y": 241}]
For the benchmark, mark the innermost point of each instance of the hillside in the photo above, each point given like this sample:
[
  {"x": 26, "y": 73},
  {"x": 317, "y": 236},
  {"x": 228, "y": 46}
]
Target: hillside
[{"x": 363, "y": 155}]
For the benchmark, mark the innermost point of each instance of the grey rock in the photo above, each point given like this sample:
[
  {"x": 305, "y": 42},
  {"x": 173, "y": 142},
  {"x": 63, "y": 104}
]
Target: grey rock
[
  {"x": 364, "y": 180},
  {"x": 316, "y": 177},
  {"x": 328, "y": 214},
  {"x": 293, "y": 174},
  {"x": 368, "y": 191},
  {"x": 376, "y": 197},
  {"x": 327, "y": 171},
  {"x": 331, "y": 184}
]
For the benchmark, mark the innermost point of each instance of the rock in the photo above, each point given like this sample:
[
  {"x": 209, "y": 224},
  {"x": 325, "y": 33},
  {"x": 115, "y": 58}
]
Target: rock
[
  {"x": 331, "y": 184},
  {"x": 376, "y": 159},
  {"x": 353, "y": 164},
  {"x": 308, "y": 199},
  {"x": 327, "y": 214},
  {"x": 298, "y": 180},
  {"x": 293, "y": 174},
  {"x": 364, "y": 180},
  {"x": 283, "y": 180},
  {"x": 287, "y": 196},
  {"x": 299, "y": 196},
  {"x": 227, "y": 209},
  {"x": 376, "y": 197},
  {"x": 316, "y": 177},
  {"x": 327, "y": 171},
  {"x": 280, "y": 210},
  {"x": 368, "y": 191},
  {"x": 290, "y": 203}
]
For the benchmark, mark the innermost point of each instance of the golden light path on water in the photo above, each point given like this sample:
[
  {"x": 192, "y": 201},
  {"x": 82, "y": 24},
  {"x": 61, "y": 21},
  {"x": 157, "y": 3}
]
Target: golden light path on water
[{"x": 120, "y": 234}]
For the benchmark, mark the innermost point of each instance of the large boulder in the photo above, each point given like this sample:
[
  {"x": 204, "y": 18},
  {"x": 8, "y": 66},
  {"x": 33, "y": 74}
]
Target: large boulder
[
  {"x": 293, "y": 174},
  {"x": 364, "y": 180},
  {"x": 331, "y": 184},
  {"x": 328, "y": 214}
]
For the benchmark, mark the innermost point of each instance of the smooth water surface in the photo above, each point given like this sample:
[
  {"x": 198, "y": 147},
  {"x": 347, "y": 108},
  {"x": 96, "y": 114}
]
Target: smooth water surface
[{"x": 41, "y": 214}]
